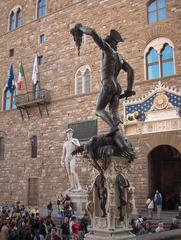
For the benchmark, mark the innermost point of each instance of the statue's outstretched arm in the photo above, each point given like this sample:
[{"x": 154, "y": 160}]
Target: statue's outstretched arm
[{"x": 91, "y": 32}]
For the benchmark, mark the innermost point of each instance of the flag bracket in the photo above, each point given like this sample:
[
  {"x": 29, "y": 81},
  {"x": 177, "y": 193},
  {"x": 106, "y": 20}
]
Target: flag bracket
[
  {"x": 21, "y": 112},
  {"x": 39, "y": 109},
  {"x": 46, "y": 109},
  {"x": 27, "y": 113}
]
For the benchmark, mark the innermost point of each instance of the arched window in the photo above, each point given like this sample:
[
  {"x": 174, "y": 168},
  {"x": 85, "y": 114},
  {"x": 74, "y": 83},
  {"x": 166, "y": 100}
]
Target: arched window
[
  {"x": 41, "y": 9},
  {"x": 87, "y": 82},
  {"x": 14, "y": 99},
  {"x": 156, "y": 11},
  {"x": 2, "y": 148},
  {"x": 83, "y": 80},
  {"x": 152, "y": 64},
  {"x": 18, "y": 18},
  {"x": 79, "y": 83},
  {"x": 15, "y": 18},
  {"x": 9, "y": 99},
  {"x": 12, "y": 21},
  {"x": 159, "y": 58},
  {"x": 167, "y": 64}
]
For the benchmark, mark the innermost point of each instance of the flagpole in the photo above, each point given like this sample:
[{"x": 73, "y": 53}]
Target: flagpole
[
  {"x": 38, "y": 72},
  {"x": 26, "y": 84},
  {"x": 38, "y": 85},
  {"x": 25, "y": 80}
]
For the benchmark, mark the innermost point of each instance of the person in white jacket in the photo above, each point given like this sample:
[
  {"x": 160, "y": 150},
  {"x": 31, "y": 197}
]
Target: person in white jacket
[{"x": 150, "y": 207}]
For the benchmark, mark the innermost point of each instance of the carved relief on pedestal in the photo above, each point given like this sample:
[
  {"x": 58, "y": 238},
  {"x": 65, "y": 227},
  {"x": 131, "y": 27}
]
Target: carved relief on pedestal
[
  {"x": 101, "y": 222},
  {"x": 118, "y": 223},
  {"x": 119, "y": 197}
]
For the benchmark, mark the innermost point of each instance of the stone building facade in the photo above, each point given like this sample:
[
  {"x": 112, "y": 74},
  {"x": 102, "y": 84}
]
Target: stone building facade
[{"x": 40, "y": 179}]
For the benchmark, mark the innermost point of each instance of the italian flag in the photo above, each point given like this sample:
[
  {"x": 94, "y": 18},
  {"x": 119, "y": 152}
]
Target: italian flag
[{"x": 20, "y": 76}]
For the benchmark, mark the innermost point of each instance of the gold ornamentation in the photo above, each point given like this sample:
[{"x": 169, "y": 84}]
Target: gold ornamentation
[{"x": 160, "y": 101}]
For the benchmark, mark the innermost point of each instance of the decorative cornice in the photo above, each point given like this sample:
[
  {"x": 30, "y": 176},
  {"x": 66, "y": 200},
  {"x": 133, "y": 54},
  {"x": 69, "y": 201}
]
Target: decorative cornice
[{"x": 160, "y": 87}]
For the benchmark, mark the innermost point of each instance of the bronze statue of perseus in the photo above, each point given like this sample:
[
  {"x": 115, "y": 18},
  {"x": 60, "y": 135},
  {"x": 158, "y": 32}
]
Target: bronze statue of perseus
[
  {"x": 111, "y": 64},
  {"x": 102, "y": 147}
]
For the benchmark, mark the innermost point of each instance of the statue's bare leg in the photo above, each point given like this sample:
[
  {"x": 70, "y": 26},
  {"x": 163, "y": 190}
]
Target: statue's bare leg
[
  {"x": 113, "y": 108},
  {"x": 103, "y": 99},
  {"x": 70, "y": 177},
  {"x": 74, "y": 175}
]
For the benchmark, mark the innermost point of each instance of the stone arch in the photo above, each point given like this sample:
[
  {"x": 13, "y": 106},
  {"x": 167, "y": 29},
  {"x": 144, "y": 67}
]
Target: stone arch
[
  {"x": 148, "y": 142},
  {"x": 5, "y": 89},
  {"x": 14, "y": 9},
  {"x": 81, "y": 71},
  {"x": 158, "y": 44},
  {"x": 151, "y": 141},
  {"x": 156, "y": 32},
  {"x": 164, "y": 163}
]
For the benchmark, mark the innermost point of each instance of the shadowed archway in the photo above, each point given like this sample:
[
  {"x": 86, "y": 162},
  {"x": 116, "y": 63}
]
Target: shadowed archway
[{"x": 164, "y": 163}]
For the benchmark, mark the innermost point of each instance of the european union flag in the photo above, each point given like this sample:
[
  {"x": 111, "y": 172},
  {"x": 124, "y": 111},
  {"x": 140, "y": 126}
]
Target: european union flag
[{"x": 11, "y": 84}]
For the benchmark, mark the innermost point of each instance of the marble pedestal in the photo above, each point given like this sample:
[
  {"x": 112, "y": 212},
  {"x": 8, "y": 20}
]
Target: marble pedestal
[
  {"x": 112, "y": 226},
  {"x": 104, "y": 234},
  {"x": 79, "y": 201}
]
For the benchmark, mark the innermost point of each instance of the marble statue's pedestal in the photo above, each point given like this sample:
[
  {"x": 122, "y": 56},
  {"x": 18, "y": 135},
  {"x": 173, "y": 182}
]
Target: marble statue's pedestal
[
  {"x": 112, "y": 227},
  {"x": 79, "y": 201},
  {"x": 104, "y": 234}
]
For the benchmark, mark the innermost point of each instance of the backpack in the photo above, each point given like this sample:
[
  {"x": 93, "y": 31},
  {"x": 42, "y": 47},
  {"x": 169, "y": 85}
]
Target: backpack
[{"x": 158, "y": 200}]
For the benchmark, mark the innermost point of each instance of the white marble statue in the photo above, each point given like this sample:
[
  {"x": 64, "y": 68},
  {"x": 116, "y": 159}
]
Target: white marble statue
[{"x": 69, "y": 161}]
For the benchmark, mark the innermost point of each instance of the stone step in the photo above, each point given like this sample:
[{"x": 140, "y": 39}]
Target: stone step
[{"x": 155, "y": 225}]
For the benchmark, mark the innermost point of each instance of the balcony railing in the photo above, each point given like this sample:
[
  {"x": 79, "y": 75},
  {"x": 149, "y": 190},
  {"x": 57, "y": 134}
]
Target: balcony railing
[{"x": 33, "y": 98}]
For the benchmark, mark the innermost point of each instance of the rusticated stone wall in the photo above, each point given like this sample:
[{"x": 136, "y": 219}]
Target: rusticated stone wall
[{"x": 57, "y": 75}]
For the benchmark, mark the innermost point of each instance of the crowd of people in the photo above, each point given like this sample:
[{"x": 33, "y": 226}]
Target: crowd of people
[
  {"x": 20, "y": 223},
  {"x": 141, "y": 226}
]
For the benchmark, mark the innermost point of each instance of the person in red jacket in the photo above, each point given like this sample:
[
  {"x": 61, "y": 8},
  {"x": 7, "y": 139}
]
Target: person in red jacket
[{"x": 75, "y": 230}]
